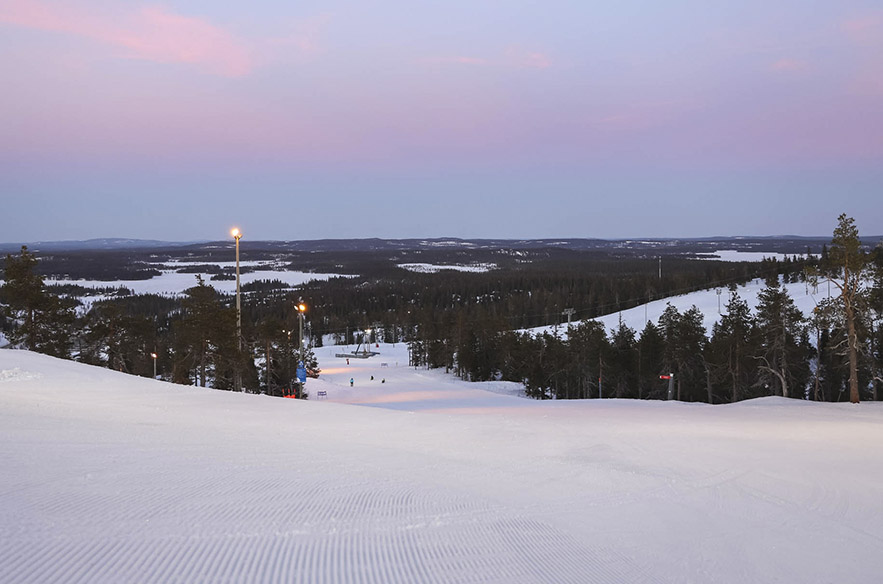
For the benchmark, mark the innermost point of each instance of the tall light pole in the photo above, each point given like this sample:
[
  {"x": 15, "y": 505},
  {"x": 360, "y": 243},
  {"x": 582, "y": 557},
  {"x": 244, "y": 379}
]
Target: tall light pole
[
  {"x": 301, "y": 309},
  {"x": 237, "y": 376},
  {"x": 154, "y": 356},
  {"x": 287, "y": 390}
]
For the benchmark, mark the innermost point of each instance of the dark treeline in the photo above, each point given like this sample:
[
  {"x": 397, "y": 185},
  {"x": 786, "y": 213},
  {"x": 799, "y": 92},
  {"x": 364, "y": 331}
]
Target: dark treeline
[
  {"x": 775, "y": 350},
  {"x": 467, "y": 322},
  {"x": 833, "y": 354},
  {"x": 534, "y": 294}
]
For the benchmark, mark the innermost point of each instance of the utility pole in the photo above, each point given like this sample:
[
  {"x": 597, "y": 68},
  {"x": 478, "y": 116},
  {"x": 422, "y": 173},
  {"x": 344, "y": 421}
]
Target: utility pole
[{"x": 569, "y": 312}]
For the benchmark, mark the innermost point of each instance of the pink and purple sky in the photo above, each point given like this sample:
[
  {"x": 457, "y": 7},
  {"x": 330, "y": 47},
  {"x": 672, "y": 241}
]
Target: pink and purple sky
[{"x": 480, "y": 118}]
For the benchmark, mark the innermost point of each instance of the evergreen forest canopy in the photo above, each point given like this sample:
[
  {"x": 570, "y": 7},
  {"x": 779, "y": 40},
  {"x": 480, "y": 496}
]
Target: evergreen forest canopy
[{"x": 468, "y": 322}]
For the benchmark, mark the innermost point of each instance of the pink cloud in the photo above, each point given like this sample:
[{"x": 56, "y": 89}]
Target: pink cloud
[
  {"x": 867, "y": 35},
  {"x": 151, "y": 33},
  {"x": 526, "y": 59},
  {"x": 536, "y": 61},
  {"x": 866, "y": 29},
  {"x": 789, "y": 65}
]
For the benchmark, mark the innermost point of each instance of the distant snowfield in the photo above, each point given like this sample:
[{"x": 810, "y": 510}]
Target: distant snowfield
[
  {"x": 434, "y": 268},
  {"x": 732, "y": 255},
  {"x": 171, "y": 283},
  {"x": 111, "y": 478}
]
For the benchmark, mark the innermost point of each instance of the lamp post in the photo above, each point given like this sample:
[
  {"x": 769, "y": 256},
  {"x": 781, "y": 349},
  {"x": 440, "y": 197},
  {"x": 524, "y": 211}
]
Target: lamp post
[
  {"x": 154, "y": 356},
  {"x": 287, "y": 390},
  {"x": 301, "y": 309},
  {"x": 237, "y": 377}
]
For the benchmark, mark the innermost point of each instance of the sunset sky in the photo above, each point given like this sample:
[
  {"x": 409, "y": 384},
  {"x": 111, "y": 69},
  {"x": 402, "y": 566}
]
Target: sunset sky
[{"x": 480, "y": 118}]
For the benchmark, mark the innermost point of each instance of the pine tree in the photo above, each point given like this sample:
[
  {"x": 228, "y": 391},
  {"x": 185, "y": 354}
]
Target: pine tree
[
  {"x": 684, "y": 348},
  {"x": 586, "y": 350},
  {"x": 731, "y": 348},
  {"x": 207, "y": 339},
  {"x": 622, "y": 370},
  {"x": 45, "y": 321},
  {"x": 651, "y": 347},
  {"x": 876, "y": 325},
  {"x": 847, "y": 268},
  {"x": 692, "y": 365},
  {"x": 783, "y": 352},
  {"x": 669, "y": 326},
  {"x": 118, "y": 340},
  {"x": 24, "y": 294}
]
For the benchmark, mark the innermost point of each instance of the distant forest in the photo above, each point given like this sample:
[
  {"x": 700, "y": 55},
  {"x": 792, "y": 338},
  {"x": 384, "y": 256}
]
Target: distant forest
[{"x": 468, "y": 322}]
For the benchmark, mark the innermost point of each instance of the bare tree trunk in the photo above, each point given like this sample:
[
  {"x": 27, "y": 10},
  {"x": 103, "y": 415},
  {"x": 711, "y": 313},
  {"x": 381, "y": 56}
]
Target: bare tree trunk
[
  {"x": 786, "y": 391},
  {"x": 818, "y": 363},
  {"x": 202, "y": 366},
  {"x": 736, "y": 376},
  {"x": 853, "y": 354},
  {"x": 708, "y": 383},
  {"x": 269, "y": 389}
]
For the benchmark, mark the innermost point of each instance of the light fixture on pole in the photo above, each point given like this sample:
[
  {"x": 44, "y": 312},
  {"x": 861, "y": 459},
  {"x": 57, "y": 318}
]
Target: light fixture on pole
[
  {"x": 301, "y": 362},
  {"x": 237, "y": 378},
  {"x": 154, "y": 356},
  {"x": 301, "y": 309}
]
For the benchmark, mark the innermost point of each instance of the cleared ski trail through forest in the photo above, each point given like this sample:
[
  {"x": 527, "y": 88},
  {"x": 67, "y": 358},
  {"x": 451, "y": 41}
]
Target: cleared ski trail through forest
[{"x": 112, "y": 478}]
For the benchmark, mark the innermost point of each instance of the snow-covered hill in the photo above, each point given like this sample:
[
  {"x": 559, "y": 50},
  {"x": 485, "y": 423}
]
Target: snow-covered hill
[
  {"x": 711, "y": 302},
  {"x": 111, "y": 478}
]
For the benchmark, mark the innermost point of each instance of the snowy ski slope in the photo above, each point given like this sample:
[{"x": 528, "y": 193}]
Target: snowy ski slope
[{"x": 112, "y": 478}]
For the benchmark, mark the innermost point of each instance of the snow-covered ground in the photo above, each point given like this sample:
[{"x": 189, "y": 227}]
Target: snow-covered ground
[
  {"x": 435, "y": 268},
  {"x": 111, "y": 478},
  {"x": 804, "y": 295},
  {"x": 734, "y": 255},
  {"x": 171, "y": 283}
]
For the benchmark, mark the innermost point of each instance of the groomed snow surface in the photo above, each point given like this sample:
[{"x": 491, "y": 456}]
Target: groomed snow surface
[{"x": 423, "y": 478}]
